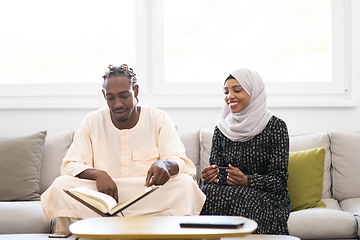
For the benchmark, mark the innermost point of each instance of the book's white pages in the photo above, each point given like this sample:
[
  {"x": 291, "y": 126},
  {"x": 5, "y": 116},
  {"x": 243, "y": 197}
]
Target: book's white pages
[{"x": 102, "y": 203}]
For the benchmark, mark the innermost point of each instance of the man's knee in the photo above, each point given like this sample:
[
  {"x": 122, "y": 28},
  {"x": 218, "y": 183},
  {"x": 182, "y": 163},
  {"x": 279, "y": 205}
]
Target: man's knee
[
  {"x": 62, "y": 182},
  {"x": 184, "y": 179}
]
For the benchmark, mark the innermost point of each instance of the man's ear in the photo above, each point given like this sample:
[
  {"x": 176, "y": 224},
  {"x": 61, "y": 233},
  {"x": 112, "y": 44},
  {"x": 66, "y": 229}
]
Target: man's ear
[
  {"x": 136, "y": 90},
  {"x": 136, "y": 93}
]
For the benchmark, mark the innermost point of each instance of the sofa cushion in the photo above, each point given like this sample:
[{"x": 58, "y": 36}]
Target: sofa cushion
[
  {"x": 23, "y": 217},
  {"x": 323, "y": 223},
  {"x": 205, "y": 148},
  {"x": 315, "y": 140},
  {"x": 352, "y": 205},
  {"x": 20, "y": 160},
  {"x": 346, "y": 164},
  {"x": 190, "y": 139},
  {"x": 55, "y": 147},
  {"x": 306, "y": 170},
  {"x": 331, "y": 203}
]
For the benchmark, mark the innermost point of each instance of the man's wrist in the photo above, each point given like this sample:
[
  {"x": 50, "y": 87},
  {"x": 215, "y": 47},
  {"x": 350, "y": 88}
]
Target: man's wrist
[
  {"x": 91, "y": 174},
  {"x": 172, "y": 167},
  {"x": 96, "y": 173}
]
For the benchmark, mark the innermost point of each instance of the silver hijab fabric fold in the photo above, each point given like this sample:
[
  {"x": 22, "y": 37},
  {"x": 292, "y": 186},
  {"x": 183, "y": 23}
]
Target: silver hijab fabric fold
[{"x": 249, "y": 122}]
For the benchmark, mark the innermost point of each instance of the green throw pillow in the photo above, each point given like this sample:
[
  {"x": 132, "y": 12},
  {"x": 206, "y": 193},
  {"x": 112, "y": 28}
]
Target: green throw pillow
[
  {"x": 20, "y": 161},
  {"x": 305, "y": 183}
]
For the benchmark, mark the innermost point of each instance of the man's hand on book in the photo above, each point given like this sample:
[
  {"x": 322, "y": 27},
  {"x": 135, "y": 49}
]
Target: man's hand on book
[
  {"x": 160, "y": 172},
  {"x": 104, "y": 182}
]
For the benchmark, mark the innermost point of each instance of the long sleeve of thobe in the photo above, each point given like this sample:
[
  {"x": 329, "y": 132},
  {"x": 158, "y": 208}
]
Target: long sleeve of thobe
[{"x": 79, "y": 156}]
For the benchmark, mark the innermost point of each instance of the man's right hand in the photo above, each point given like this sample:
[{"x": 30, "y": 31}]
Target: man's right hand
[{"x": 104, "y": 183}]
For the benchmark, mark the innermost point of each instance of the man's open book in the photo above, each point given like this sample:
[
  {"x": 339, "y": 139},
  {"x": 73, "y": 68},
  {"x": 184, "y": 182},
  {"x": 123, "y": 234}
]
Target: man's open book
[{"x": 104, "y": 204}]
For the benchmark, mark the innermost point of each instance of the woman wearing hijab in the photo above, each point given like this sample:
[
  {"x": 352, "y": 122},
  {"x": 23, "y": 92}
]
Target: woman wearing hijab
[{"x": 249, "y": 158}]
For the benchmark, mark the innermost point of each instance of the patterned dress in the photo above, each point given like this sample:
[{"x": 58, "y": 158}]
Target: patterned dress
[{"x": 264, "y": 160}]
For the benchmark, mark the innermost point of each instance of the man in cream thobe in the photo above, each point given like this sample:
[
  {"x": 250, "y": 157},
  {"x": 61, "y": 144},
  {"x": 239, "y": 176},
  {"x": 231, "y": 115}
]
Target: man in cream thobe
[{"x": 114, "y": 149}]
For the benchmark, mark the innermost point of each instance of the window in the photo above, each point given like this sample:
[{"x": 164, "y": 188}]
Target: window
[
  {"x": 278, "y": 38},
  {"x": 56, "y": 40},
  {"x": 181, "y": 50},
  {"x": 57, "y": 51},
  {"x": 299, "y": 47}
]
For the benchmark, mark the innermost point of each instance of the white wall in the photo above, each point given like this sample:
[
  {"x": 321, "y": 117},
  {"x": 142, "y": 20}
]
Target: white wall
[{"x": 299, "y": 120}]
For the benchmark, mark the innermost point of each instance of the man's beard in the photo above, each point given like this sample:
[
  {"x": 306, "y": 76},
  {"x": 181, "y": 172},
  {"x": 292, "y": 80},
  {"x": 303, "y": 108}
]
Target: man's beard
[{"x": 122, "y": 119}]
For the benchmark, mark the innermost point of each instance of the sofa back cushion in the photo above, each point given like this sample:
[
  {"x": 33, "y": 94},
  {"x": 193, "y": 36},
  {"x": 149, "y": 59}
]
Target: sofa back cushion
[
  {"x": 190, "y": 139},
  {"x": 205, "y": 149},
  {"x": 315, "y": 140},
  {"x": 55, "y": 147},
  {"x": 305, "y": 183},
  {"x": 20, "y": 159},
  {"x": 346, "y": 164}
]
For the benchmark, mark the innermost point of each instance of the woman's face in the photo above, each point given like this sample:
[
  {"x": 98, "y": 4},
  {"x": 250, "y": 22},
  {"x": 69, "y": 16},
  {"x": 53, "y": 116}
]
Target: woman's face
[{"x": 235, "y": 96}]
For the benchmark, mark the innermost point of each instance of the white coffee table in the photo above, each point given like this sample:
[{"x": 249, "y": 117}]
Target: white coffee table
[
  {"x": 157, "y": 228},
  {"x": 73, "y": 237}
]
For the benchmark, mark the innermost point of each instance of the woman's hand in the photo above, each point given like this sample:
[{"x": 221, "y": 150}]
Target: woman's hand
[
  {"x": 236, "y": 177},
  {"x": 209, "y": 174}
]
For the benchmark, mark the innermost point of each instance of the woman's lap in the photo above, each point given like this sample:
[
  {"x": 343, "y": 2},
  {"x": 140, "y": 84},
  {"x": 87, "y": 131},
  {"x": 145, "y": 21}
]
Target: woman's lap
[{"x": 246, "y": 202}]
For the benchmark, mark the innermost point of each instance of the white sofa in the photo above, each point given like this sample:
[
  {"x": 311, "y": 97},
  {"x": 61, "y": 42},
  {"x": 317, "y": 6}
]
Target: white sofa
[
  {"x": 341, "y": 184},
  {"x": 341, "y": 187}
]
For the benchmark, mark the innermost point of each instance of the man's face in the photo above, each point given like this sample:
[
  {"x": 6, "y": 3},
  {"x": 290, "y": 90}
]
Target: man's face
[{"x": 120, "y": 97}]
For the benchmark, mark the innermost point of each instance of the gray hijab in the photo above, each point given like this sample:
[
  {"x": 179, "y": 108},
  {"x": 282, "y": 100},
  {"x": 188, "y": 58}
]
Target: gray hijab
[{"x": 246, "y": 124}]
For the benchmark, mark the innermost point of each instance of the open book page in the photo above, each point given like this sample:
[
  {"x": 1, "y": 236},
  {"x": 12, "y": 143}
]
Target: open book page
[
  {"x": 121, "y": 206},
  {"x": 101, "y": 201}
]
